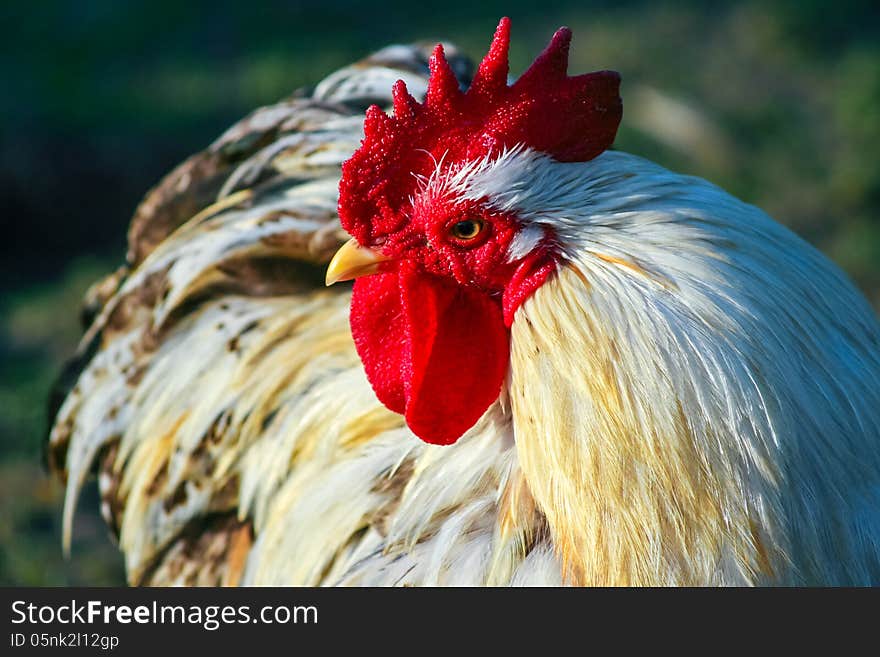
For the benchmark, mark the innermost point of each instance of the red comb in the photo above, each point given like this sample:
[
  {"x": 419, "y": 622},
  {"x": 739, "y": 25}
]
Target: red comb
[{"x": 572, "y": 119}]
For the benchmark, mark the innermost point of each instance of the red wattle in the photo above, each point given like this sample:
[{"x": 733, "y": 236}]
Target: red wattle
[
  {"x": 529, "y": 275},
  {"x": 433, "y": 350},
  {"x": 381, "y": 337}
]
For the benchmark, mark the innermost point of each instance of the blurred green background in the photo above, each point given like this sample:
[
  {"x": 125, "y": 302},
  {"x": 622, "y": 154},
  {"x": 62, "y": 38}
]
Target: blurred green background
[{"x": 777, "y": 102}]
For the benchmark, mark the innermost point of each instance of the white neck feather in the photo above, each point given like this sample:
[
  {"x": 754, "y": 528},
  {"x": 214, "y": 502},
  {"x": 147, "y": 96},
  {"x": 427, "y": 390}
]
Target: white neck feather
[{"x": 693, "y": 392}]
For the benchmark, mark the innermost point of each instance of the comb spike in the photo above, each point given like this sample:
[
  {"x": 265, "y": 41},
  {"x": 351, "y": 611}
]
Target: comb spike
[
  {"x": 552, "y": 63},
  {"x": 492, "y": 73},
  {"x": 405, "y": 106},
  {"x": 376, "y": 121},
  {"x": 443, "y": 86}
]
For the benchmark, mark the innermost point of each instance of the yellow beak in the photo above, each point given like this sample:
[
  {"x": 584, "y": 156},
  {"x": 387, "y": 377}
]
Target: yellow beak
[{"x": 351, "y": 261}]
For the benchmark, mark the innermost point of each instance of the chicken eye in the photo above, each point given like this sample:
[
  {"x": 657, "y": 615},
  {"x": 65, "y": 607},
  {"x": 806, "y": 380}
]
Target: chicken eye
[{"x": 467, "y": 229}]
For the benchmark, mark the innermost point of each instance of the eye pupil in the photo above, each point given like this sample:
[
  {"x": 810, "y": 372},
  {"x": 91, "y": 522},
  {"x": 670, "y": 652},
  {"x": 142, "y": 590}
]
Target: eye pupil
[{"x": 468, "y": 229}]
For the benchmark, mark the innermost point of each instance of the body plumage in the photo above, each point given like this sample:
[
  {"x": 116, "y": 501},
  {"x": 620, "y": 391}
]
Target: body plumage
[{"x": 691, "y": 393}]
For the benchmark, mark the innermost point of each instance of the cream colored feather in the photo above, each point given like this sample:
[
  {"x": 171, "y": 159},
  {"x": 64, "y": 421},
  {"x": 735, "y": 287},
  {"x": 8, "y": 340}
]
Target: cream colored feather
[
  {"x": 223, "y": 403},
  {"x": 693, "y": 399}
]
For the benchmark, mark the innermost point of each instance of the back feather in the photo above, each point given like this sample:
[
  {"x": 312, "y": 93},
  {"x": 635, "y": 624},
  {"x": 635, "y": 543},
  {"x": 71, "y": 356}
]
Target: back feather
[{"x": 218, "y": 395}]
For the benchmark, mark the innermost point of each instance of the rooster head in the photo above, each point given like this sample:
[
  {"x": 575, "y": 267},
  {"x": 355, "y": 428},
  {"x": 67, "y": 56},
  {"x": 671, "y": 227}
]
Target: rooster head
[{"x": 441, "y": 252}]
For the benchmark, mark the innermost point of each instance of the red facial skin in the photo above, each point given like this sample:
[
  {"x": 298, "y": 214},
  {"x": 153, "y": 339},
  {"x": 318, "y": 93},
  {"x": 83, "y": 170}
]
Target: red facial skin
[
  {"x": 432, "y": 327},
  {"x": 427, "y": 241}
]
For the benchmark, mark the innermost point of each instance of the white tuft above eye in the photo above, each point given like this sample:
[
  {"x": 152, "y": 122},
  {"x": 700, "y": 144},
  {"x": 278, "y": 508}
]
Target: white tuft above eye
[{"x": 526, "y": 239}]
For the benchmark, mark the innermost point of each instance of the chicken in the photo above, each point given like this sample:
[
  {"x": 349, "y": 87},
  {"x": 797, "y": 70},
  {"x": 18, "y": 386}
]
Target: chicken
[{"x": 558, "y": 363}]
